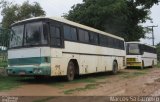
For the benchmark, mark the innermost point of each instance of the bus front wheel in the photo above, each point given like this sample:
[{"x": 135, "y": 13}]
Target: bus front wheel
[
  {"x": 115, "y": 68},
  {"x": 70, "y": 71}
]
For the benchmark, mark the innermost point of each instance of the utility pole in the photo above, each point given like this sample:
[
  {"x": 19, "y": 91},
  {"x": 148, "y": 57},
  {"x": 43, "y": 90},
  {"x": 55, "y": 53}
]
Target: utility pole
[{"x": 153, "y": 38}]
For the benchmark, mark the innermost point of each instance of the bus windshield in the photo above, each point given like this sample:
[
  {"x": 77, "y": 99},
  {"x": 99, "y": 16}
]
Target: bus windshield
[
  {"x": 133, "y": 49},
  {"x": 17, "y": 36},
  {"x": 29, "y": 34}
]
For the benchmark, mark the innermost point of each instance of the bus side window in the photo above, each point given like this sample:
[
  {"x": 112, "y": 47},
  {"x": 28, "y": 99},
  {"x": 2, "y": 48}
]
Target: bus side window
[
  {"x": 83, "y": 36},
  {"x": 70, "y": 33},
  {"x": 93, "y": 38},
  {"x": 55, "y": 36},
  {"x": 102, "y": 40}
]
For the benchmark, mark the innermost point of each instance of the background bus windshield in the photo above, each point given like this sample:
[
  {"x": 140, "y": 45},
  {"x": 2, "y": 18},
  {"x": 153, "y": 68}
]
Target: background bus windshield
[{"x": 133, "y": 49}]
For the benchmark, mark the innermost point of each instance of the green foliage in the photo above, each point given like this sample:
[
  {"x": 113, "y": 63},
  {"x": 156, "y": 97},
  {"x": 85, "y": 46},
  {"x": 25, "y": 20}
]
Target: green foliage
[
  {"x": 7, "y": 83},
  {"x": 4, "y": 38},
  {"x": 3, "y": 64},
  {"x": 119, "y": 17},
  {"x": 87, "y": 87},
  {"x": 134, "y": 74},
  {"x": 158, "y": 65},
  {"x": 14, "y": 12},
  {"x": 158, "y": 51}
]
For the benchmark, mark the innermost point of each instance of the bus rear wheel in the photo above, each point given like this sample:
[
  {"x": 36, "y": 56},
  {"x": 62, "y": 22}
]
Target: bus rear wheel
[
  {"x": 142, "y": 67},
  {"x": 115, "y": 68},
  {"x": 70, "y": 71},
  {"x": 152, "y": 64}
]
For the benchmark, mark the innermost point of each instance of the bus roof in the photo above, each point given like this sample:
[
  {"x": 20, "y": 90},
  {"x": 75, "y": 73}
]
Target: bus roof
[
  {"x": 60, "y": 19},
  {"x": 136, "y": 42}
]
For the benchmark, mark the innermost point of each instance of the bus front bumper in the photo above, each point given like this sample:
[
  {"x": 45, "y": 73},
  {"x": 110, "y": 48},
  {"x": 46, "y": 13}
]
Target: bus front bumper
[
  {"x": 134, "y": 64},
  {"x": 29, "y": 71}
]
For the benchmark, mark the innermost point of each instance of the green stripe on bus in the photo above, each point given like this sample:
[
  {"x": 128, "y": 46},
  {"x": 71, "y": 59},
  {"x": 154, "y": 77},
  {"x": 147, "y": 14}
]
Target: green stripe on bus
[{"x": 29, "y": 61}]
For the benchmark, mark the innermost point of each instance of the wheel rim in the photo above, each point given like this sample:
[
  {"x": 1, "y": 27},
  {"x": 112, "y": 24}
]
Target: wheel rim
[{"x": 71, "y": 72}]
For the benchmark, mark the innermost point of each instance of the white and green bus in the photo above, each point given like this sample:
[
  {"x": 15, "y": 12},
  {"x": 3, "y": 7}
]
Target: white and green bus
[
  {"x": 141, "y": 55},
  {"x": 44, "y": 46}
]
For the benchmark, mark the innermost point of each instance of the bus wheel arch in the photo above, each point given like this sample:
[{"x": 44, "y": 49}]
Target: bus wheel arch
[{"x": 115, "y": 67}]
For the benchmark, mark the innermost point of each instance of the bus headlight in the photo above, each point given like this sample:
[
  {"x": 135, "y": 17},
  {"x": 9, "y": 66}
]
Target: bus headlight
[
  {"x": 37, "y": 71},
  {"x": 9, "y": 71},
  {"x": 137, "y": 60}
]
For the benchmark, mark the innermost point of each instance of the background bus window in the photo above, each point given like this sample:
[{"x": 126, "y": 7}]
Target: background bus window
[{"x": 133, "y": 49}]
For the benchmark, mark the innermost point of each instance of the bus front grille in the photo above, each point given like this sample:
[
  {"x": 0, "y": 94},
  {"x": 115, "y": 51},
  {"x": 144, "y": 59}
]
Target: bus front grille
[{"x": 131, "y": 59}]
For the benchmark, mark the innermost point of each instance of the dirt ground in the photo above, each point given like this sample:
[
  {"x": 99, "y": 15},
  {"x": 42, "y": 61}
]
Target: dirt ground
[{"x": 129, "y": 82}]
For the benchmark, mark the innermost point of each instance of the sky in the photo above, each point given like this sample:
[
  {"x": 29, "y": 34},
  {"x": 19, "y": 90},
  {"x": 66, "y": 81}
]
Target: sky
[
  {"x": 59, "y": 7},
  {"x": 155, "y": 15}
]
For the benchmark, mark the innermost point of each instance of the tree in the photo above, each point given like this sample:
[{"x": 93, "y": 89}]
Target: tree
[
  {"x": 119, "y": 17},
  {"x": 158, "y": 51},
  {"x": 4, "y": 37},
  {"x": 15, "y": 12}
]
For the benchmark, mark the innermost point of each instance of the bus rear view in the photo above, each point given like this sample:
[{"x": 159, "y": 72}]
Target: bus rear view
[{"x": 140, "y": 55}]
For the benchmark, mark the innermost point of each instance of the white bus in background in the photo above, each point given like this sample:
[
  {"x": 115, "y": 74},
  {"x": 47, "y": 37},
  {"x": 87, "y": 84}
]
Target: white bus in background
[
  {"x": 46, "y": 46},
  {"x": 140, "y": 55}
]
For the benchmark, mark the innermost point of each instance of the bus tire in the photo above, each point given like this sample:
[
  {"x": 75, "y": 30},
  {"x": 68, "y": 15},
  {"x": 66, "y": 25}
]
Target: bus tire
[
  {"x": 152, "y": 64},
  {"x": 70, "y": 71},
  {"x": 114, "y": 68},
  {"x": 38, "y": 78},
  {"x": 142, "y": 67}
]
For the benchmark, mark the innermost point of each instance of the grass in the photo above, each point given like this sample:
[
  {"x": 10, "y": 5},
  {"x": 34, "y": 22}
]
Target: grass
[
  {"x": 61, "y": 85},
  {"x": 87, "y": 87},
  {"x": 88, "y": 80},
  {"x": 3, "y": 64},
  {"x": 84, "y": 80},
  {"x": 158, "y": 65},
  {"x": 7, "y": 83},
  {"x": 134, "y": 74},
  {"x": 91, "y": 83},
  {"x": 58, "y": 85}
]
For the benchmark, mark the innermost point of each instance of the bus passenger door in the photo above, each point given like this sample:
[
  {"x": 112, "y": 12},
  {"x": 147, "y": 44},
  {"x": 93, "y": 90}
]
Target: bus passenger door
[{"x": 56, "y": 44}]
